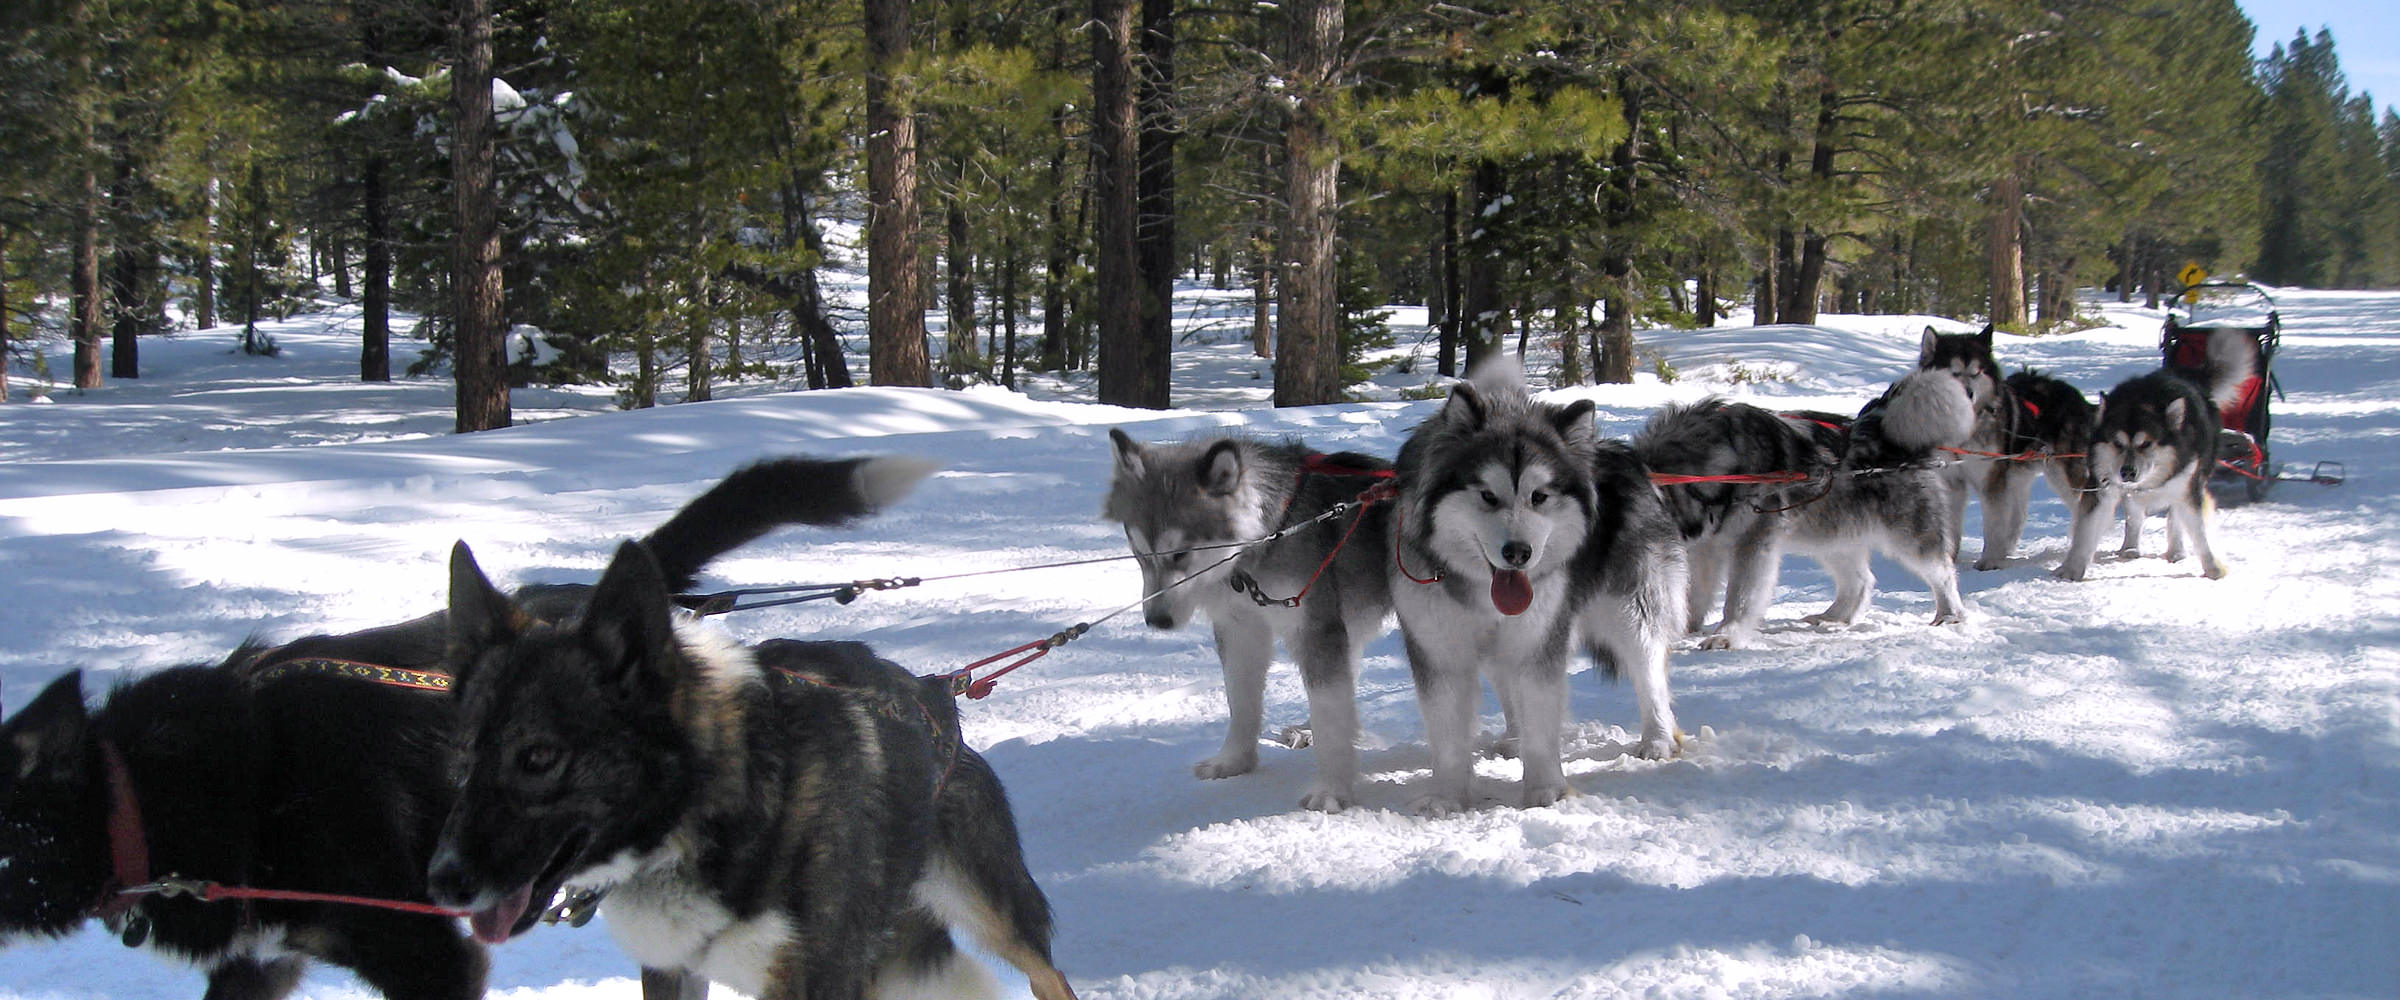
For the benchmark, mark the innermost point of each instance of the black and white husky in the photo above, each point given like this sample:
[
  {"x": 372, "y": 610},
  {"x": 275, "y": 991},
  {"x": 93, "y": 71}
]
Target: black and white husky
[
  {"x": 1520, "y": 529},
  {"x": 1187, "y": 508},
  {"x": 2153, "y": 446},
  {"x": 1736, "y": 532}
]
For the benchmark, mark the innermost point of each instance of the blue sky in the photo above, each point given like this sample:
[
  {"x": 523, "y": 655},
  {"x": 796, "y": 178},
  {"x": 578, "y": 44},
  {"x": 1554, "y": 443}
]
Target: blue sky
[{"x": 2366, "y": 35}]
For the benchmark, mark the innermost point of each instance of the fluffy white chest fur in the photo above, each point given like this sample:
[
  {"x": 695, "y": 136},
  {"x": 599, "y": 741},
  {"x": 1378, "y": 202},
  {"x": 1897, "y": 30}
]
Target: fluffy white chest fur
[{"x": 664, "y": 921}]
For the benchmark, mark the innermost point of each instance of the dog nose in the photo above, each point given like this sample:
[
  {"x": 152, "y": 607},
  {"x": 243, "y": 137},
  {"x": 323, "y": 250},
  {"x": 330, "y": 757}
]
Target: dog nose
[
  {"x": 1515, "y": 554},
  {"x": 446, "y": 879},
  {"x": 2127, "y": 474},
  {"x": 1159, "y": 619}
]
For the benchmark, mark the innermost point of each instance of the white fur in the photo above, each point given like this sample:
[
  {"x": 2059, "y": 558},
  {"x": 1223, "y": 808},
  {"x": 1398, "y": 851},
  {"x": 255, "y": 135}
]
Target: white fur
[
  {"x": 884, "y": 480},
  {"x": 662, "y": 919},
  {"x": 1929, "y": 409}
]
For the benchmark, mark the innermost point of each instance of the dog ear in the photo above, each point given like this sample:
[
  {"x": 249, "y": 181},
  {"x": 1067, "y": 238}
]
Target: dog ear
[
  {"x": 1574, "y": 421},
  {"x": 2176, "y": 412},
  {"x": 1985, "y": 338},
  {"x": 1220, "y": 468},
  {"x": 480, "y": 615},
  {"x": 1130, "y": 459},
  {"x": 1466, "y": 406},
  {"x": 1925, "y": 347},
  {"x": 46, "y": 739},
  {"x": 630, "y": 623}
]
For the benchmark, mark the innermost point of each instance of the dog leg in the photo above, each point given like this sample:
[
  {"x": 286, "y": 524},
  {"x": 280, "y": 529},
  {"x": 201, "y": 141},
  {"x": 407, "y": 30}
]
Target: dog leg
[
  {"x": 248, "y": 978},
  {"x": 422, "y": 958},
  {"x": 1853, "y": 583},
  {"x": 1707, "y": 574},
  {"x": 1959, "y": 480},
  {"x": 1245, "y": 647},
  {"x": 2004, "y": 517},
  {"x": 1328, "y": 661},
  {"x": 672, "y": 984},
  {"x": 1750, "y": 585},
  {"x": 2134, "y": 514},
  {"x": 1940, "y": 575},
  {"x": 1446, "y": 697},
  {"x": 2095, "y": 508},
  {"x": 1542, "y": 720},
  {"x": 1630, "y": 631},
  {"x": 2191, "y": 520}
]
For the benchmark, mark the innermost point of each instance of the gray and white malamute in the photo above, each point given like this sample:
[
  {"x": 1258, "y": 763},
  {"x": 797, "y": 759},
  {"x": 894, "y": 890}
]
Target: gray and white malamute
[
  {"x": 2153, "y": 446},
  {"x": 1187, "y": 506},
  {"x": 1520, "y": 529},
  {"x": 791, "y": 819},
  {"x": 1735, "y": 533}
]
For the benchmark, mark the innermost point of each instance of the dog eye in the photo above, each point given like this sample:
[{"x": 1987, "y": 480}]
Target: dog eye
[
  {"x": 1538, "y": 498},
  {"x": 1491, "y": 499},
  {"x": 540, "y": 758}
]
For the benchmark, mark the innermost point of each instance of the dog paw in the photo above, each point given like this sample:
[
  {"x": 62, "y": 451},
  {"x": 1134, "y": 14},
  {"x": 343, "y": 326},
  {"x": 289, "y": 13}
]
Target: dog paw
[
  {"x": 2214, "y": 571},
  {"x": 1225, "y": 766},
  {"x": 1433, "y": 805},
  {"x": 1950, "y": 618},
  {"x": 2070, "y": 573},
  {"x": 1655, "y": 747},
  {"x": 1297, "y": 737},
  {"x": 1718, "y": 641},
  {"x": 2129, "y": 554},
  {"x": 1502, "y": 747},
  {"x": 1326, "y": 800},
  {"x": 1537, "y": 796},
  {"x": 1826, "y": 619},
  {"x": 1988, "y": 563}
]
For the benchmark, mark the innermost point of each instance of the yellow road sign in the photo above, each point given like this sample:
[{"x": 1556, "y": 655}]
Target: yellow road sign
[{"x": 2192, "y": 274}]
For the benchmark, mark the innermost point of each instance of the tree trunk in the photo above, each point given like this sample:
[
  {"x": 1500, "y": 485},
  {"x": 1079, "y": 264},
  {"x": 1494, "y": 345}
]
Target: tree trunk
[
  {"x": 958, "y": 342},
  {"x": 2005, "y": 248},
  {"x": 125, "y": 266},
  {"x": 204, "y": 268},
  {"x": 1308, "y": 356},
  {"x": 1058, "y": 258},
  {"x": 1262, "y": 305},
  {"x": 1009, "y": 266},
  {"x": 3, "y": 313},
  {"x": 84, "y": 326},
  {"x": 1484, "y": 319},
  {"x": 895, "y": 309},
  {"x": 699, "y": 342},
  {"x": 479, "y": 334},
  {"x": 1614, "y": 365},
  {"x": 375, "y": 211},
  {"x": 1453, "y": 289},
  {"x": 1704, "y": 295},
  {"x": 1153, "y": 360},
  {"x": 1116, "y": 261}
]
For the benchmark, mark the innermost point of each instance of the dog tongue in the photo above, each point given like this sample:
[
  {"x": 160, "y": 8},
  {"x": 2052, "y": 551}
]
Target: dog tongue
[
  {"x": 1512, "y": 593},
  {"x": 494, "y": 923}
]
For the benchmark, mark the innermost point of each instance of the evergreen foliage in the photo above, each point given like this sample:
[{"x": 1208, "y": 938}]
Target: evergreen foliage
[{"x": 674, "y": 177}]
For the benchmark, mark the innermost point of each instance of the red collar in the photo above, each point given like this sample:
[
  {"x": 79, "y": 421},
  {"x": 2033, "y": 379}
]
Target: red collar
[{"x": 129, "y": 853}]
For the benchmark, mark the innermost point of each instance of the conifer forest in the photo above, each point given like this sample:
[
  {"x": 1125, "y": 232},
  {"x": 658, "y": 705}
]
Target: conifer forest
[{"x": 662, "y": 189}]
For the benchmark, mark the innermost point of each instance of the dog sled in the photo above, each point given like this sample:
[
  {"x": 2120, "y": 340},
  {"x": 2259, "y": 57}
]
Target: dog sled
[{"x": 2223, "y": 338}]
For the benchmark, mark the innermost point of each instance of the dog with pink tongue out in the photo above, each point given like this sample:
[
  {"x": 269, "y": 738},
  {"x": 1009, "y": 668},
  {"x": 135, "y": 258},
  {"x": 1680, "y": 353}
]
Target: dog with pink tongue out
[{"x": 1521, "y": 533}]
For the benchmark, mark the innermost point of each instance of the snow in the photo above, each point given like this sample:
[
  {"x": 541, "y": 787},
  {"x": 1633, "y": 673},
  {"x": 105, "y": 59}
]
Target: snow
[{"x": 2148, "y": 784}]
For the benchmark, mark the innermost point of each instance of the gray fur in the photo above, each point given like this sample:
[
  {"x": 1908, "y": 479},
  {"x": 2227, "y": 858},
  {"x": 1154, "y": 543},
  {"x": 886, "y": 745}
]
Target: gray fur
[
  {"x": 1736, "y": 533},
  {"x": 1600, "y": 558},
  {"x": 1216, "y": 492}
]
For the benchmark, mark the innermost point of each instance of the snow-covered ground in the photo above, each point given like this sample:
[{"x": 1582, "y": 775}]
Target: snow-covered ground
[{"x": 2146, "y": 785}]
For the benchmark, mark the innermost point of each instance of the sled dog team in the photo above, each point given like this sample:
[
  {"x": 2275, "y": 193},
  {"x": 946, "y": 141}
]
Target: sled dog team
[
  {"x": 1516, "y": 533},
  {"x": 802, "y": 819}
]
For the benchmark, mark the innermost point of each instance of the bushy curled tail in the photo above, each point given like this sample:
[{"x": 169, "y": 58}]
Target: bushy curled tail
[{"x": 761, "y": 497}]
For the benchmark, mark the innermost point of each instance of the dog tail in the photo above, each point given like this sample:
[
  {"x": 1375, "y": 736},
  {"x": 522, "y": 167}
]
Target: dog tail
[
  {"x": 1927, "y": 410},
  {"x": 759, "y": 498}
]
